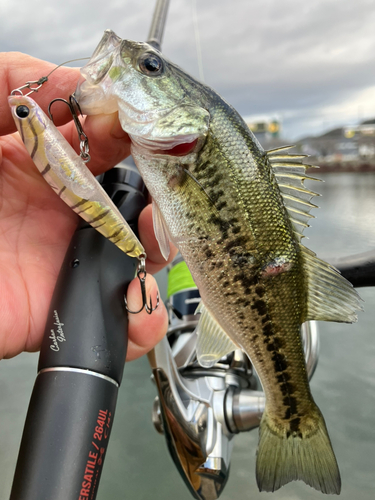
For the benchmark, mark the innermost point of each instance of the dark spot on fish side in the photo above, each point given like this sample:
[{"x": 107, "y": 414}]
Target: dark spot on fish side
[
  {"x": 246, "y": 281},
  {"x": 278, "y": 342},
  {"x": 243, "y": 302},
  {"x": 237, "y": 242},
  {"x": 239, "y": 259},
  {"x": 221, "y": 205},
  {"x": 279, "y": 361},
  {"x": 292, "y": 403},
  {"x": 233, "y": 221},
  {"x": 222, "y": 225},
  {"x": 260, "y": 306},
  {"x": 267, "y": 330},
  {"x": 266, "y": 319},
  {"x": 260, "y": 290},
  {"x": 287, "y": 388},
  {"x": 215, "y": 196},
  {"x": 284, "y": 377},
  {"x": 294, "y": 425}
]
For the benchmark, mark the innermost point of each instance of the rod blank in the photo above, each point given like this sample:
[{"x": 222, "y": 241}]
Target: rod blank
[{"x": 156, "y": 32}]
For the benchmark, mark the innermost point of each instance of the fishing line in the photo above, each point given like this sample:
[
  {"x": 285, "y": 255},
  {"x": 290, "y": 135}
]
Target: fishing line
[
  {"x": 66, "y": 62},
  {"x": 197, "y": 40}
]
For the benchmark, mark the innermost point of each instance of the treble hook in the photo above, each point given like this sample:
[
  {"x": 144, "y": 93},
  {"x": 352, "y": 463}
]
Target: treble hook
[
  {"x": 73, "y": 105},
  {"x": 141, "y": 275}
]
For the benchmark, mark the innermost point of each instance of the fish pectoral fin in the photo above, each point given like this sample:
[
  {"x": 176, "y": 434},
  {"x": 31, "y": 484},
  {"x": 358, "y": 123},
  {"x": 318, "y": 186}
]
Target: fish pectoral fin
[
  {"x": 213, "y": 343},
  {"x": 330, "y": 296},
  {"x": 161, "y": 231}
]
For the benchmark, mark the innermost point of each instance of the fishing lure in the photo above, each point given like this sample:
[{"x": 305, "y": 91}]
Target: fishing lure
[{"x": 73, "y": 182}]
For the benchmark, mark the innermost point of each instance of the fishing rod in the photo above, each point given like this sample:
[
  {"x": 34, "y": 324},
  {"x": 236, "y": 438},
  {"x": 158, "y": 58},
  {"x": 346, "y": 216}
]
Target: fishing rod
[
  {"x": 159, "y": 19},
  {"x": 81, "y": 363}
]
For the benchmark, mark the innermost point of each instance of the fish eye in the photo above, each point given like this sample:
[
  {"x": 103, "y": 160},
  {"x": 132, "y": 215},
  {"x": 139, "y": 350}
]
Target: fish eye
[
  {"x": 22, "y": 111},
  {"x": 151, "y": 64}
]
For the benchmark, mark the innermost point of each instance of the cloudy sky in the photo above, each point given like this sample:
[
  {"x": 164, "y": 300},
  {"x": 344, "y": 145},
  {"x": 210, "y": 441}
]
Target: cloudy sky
[{"x": 309, "y": 64}]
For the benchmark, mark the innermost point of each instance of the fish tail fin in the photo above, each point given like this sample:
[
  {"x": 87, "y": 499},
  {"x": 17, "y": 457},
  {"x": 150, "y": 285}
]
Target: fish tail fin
[{"x": 286, "y": 455}]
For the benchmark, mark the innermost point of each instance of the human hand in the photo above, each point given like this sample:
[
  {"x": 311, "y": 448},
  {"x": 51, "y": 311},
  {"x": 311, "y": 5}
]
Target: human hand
[{"x": 36, "y": 225}]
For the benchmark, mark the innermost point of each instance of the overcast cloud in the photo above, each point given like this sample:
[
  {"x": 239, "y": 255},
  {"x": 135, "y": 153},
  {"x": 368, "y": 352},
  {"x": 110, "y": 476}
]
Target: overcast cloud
[{"x": 310, "y": 64}]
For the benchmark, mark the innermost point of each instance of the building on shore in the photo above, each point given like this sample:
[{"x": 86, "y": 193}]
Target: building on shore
[{"x": 344, "y": 148}]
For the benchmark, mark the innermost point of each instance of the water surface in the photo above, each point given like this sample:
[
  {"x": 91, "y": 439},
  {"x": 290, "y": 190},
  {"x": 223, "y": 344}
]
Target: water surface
[{"x": 138, "y": 465}]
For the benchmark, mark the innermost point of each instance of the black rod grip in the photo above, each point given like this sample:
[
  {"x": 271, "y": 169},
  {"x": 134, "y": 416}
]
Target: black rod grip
[{"x": 65, "y": 437}]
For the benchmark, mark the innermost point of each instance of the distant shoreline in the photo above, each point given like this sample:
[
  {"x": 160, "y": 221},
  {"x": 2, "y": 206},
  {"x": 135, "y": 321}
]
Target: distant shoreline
[{"x": 344, "y": 167}]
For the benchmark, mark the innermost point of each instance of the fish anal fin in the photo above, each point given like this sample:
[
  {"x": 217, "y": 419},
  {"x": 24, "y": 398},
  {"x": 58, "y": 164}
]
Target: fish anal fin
[
  {"x": 330, "y": 296},
  {"x": 213, "y": 343}
]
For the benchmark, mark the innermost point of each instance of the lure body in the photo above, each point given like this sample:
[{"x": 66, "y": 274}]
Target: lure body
[{"x": 68, "y": 175}]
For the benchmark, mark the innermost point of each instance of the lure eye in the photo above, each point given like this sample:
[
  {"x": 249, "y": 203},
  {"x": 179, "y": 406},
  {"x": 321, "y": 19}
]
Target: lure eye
[
  {"x": 151, "y": 64},
  {"x": 22, "y": 111}
]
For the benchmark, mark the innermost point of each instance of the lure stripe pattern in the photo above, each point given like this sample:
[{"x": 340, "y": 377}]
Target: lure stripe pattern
[{"x": 69, "y": 177}]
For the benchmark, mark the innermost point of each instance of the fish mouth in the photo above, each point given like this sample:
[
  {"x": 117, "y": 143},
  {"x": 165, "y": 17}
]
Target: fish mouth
[{"x": 177, "y": 146}]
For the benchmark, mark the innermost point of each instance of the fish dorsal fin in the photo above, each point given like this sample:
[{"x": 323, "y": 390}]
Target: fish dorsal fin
[
  {"x": 290, "y": 174},
  {"x": 161, "y": 231},
  {"x": 330, "y": 296},
  {"x": 213, "y": 343}
]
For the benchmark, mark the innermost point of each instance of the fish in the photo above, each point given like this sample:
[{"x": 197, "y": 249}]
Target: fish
[
  {"x": 236, "y": 213},
  {"x": 68, "y": 175}
]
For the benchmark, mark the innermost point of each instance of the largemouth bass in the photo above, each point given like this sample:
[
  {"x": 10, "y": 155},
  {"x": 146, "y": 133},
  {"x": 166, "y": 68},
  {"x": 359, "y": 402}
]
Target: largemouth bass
[
  {"x": 68, "y": 175},
  {"x": 236, "y": 213}
]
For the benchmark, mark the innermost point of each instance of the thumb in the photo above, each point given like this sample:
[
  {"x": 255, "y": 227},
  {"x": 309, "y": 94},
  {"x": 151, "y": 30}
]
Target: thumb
[
  {"x": 145, "y": 330},
  {"x": 108, "y": 143}
]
